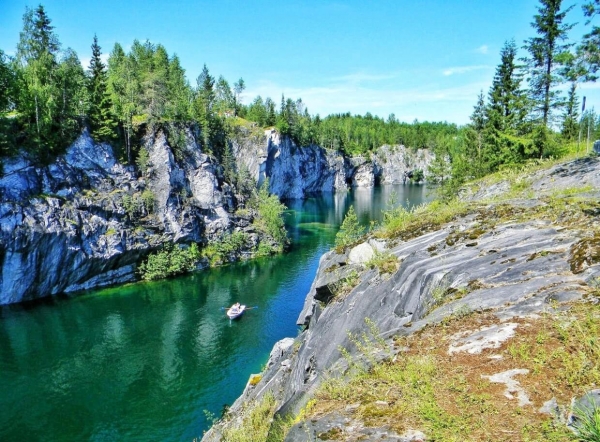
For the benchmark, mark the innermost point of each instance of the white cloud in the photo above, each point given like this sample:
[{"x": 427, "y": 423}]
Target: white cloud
[
  {"x": 428, "y": 101},
  {"x": 464, "y": 69},
  {"x": 483, "y": 49}
]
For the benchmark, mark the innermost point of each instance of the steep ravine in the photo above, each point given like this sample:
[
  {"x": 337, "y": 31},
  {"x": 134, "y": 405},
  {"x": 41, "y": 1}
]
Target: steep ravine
[
  {"x": 86, "y": 220},
  {"x": 519, "y": 248}
]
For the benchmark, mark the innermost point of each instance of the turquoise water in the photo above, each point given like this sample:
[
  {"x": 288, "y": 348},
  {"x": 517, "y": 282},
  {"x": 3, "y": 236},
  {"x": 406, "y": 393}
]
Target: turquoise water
[{"x": 151, "y": 361}]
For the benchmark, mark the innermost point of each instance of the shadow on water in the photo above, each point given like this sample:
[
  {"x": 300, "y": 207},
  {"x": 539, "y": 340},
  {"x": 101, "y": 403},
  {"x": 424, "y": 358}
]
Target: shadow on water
[{"x": 144, "y": 361}]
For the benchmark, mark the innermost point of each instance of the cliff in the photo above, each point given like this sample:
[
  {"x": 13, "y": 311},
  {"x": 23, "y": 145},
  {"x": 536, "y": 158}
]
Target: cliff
[
  {"x": 433, "y": 312},
  {"x": 296, "y": 171},
  {"x": 86, "y": 220}
]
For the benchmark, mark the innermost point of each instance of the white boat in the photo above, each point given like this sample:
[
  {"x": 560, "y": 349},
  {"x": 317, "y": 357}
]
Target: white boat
[{"x": 235, "y": 311}]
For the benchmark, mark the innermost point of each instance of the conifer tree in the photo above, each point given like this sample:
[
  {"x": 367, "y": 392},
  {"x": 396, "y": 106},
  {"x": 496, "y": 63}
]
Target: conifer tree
[
  {"x": 506, "y": 108},
  {"x": 180, "y": 97},
  {"x": 100, "y": 117},
  {"x": 271, "y": 113},
  {"x": 589, "y": 49},
  {"x": 547, "y": 54},
  {"x": 570, "y": 125},
  {"x": 36, "y": 63},
  {"x": 205, "y": 97}
]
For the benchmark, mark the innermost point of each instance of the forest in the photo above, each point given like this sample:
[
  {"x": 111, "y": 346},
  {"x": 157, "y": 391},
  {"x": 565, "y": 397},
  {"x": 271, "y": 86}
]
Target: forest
[{"x": 532, "y": 109}]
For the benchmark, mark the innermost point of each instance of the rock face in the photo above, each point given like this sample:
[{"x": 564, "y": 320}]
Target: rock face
[
  {"x": 516, "y": 269},
  {"x": 296, "y": 172},
  {"x": 86, "y": 220}
]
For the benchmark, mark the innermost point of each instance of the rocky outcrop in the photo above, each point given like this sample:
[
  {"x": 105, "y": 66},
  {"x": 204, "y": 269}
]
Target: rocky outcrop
[
  {"x": 296, "y": 172},
  {"x": 86, "y": 220},
  {"x": 396, "y": 162},
  {"x": 516, "y": 269}
]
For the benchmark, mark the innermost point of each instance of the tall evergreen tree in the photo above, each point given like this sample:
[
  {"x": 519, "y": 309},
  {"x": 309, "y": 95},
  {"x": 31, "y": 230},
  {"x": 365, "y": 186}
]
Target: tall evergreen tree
[
  {"x": 506, "y": 109},
  {"x": 570, "y": 125},
  {"x": 180, "y": 94},
  {"x": 36, "y": 63},
  {"x": 205, "y": 97},
  {"x": 589, "y": 49},
  {"x": 478, "y": 125},
  {"x": 100, "y": 117},
  {"x": 547, "y": 52},
  {"x": 271, "y": 113}
]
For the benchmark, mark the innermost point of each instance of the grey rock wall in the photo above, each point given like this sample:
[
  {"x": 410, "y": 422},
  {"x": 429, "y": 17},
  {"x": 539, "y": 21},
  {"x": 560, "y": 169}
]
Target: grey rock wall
[
  {"x": 65, "y": 227},
  {"x": 296, "y": 172}
]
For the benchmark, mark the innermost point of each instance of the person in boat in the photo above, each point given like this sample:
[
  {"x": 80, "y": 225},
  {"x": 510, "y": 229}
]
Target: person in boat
[{"x": 236, "y": 306}]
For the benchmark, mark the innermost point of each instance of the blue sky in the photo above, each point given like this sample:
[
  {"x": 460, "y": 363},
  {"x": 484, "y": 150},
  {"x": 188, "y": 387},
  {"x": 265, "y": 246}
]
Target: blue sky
[{"x": 419, "y": 59}]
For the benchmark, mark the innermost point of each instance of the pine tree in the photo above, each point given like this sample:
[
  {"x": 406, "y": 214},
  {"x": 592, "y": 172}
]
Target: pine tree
[
  {"x": 478, "y": 125},
  {"x": 271, "y": 113},
  {"x": 350, "y": 231},
  {"x": 179, "y": 93},
  {"x": 205, "y": 97},
  {"x": 100, "y": 117},
  {"x": 546, "y": 57},
  {"x": 589, "y": 50},
  {"x": 156, "y": 83},
  {"x": 570, "y": 126},
  {"x": 36, "y": 63},
  {"x": 506, "y": 108}
]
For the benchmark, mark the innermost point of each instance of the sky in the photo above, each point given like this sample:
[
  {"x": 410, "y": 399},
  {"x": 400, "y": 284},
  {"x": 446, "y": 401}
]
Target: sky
[{"x": 418, "y": 59}]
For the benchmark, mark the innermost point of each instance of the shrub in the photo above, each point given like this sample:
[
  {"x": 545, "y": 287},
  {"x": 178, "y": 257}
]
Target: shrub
[
  {"x": 171, "y": 260},
  {"x": 269, "y": 218},
  {"x": 219, "y": 251}
]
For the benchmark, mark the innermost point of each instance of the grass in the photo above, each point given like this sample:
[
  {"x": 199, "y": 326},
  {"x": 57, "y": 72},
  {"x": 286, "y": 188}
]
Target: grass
[
  {"x": 446, "y": 396},
  {"x": 256, "y": 422},
  {"x": 385, "y": 262},
  {"x": 402, "y": 223},
  {"x": 345, "y": 285}
]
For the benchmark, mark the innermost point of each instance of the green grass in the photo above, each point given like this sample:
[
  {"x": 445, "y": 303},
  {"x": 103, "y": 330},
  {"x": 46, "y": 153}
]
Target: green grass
[
  {"x": 258, "y": 424},
  {"x": 446, "y": 397}
]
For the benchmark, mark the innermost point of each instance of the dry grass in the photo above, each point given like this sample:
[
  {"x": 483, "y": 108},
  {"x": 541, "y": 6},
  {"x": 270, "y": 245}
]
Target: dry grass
[{"x": 446, "y": 396}]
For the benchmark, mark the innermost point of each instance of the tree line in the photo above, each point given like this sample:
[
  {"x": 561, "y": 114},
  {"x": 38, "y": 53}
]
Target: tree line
[
  {"x": 532, "y": 109},
  {"x": 47, "y": 97}
]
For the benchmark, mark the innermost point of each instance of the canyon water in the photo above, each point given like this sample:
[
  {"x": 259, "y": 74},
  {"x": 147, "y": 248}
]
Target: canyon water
[{"x": 157, "y": 361}]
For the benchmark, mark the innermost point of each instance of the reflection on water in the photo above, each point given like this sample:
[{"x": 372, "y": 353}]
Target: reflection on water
[{"x": 144, "y": 361}]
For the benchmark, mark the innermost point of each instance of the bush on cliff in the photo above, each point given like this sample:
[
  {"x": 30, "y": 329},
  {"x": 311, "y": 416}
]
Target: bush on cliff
[
  {"x": 171, "y": 260},
  {"x": 269, "y": 218}
]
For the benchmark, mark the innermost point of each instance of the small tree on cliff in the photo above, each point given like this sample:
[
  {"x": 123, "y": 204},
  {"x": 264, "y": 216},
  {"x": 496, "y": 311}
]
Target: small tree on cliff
[{"x": 350, "y": 231}]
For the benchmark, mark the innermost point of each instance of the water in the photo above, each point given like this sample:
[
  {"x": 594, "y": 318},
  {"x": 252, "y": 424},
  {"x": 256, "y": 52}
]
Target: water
[{"x": 148, "y": 361}]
